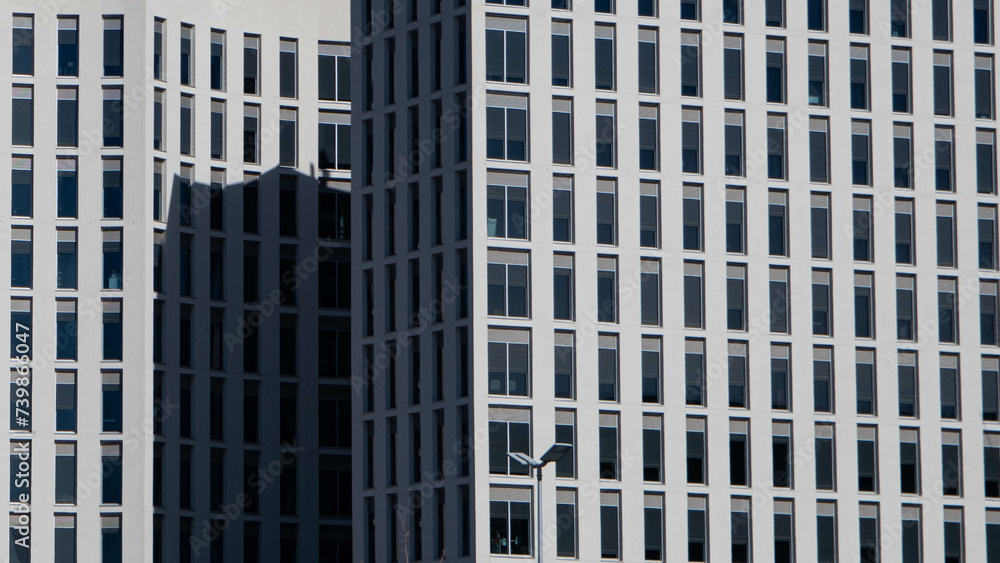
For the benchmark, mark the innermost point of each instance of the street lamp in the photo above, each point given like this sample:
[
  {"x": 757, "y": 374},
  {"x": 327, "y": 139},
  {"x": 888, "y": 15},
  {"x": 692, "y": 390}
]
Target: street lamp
[{"x": 555, "y": 453}]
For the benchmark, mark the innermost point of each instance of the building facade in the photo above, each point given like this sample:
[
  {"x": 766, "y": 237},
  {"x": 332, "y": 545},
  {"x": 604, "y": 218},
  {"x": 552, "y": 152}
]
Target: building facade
[
  {"x": 756, "y": 237},
  {"x": 179, "y": 298}
]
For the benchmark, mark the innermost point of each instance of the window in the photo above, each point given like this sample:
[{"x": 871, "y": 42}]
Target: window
[
  {"x": 946, "y": 234},
  {"x": 562, "y": 130},
  {"x": 984, "y": 89},
  {"x": 911, "y": 543},
  {"x": 113, "y": 269},
  {"x": 64, "y": 537},
  {"x": 66, "y": 262},
  {"x": 113, "y": 112},
  {"x": 653, "y": 523},
  {"x": 697, "y": 463},
  {"x": 604, "y": 57},
  {"x": 564, "y": 368},
  {"x": 506, "y": 50},
  {"x": 734, "y": 144},
  {"x": 987, "y": 237},
  {"x": 65, "y": 470},
  {"x": 736, "y": 297},
  {"x": 67, "y": 117},
  {"x": 691, "y": 10},
  {"x": 563, "y": 284},
  {"x": 509, "y": 361},
  {"x": 159, "y": 113},
  {"x": 608, "y": 438},
  {"x": 902, "y": 148},
  {"x": 694, "y": 372},
  {"x": 951, "y": 408},
  {"x": 740, "y": 530},
  {"x": 899, "y": 12},
  {"x": 863, "y": 229},
  {"x": 822, "y": 303},
  {"x": 817, "y": 73},
  {"x": 652, "y": 448},
  {"x": 287, "y": 137},
  {"x": 866, "y": 388},
  {"x": 951, "y": 462},
  {"x": 112, "y": 179},
  {"x": 826, "y": 467},
  {"x": 992, "y": 533},
  {"x": 860, "y": 89},
  {"x": 819, "y": 150},
  {"x": 691, "y": 63},
  {"x": 649, "y": 137},
  {"x": 111, "y": 401},
  {"x": 600, "y": 6},
  {"x": 22, "y": 124},
  {"x": 780, "y": 299},
  {"x": 947, "y": 310},
  {"x": 650, "y": 290},
  {"x": 510, "y": 521},
  {"x": 114, "y": 46},
  {"x": 732, "y": 11},
  {"x": 111, "y": 473},
  {"x": 607, "y": 367},
  {"x": 187, "y": 124},
  {"x": 112, "y": 319},
  {"x": 732, "y": 58},
  {"x": 908, "y": 384},
  {"x": 66, "y": 403},
  {"x": 566, "y": 514},
  {"x": 817, "y": 15},
  {"x": 506, "y": 205},
  {"x": 982, "y": 28},
  {"x": 158, "y": 59},
  {"x": 989, "y": 313},
  {"x": 509, "y": 432},
  {"x": 20, "y": 329},
  {"x": 607, "y": 211},
  {"x": 218, "y": 60},
  {"x": 288, "y": 68},
  {"x": 777, "y": 147},
  {"x": 858, "y": 17},
  {"x": 942, "y": 82},
  {"x": 691, "y": 215},
  {"x": 944, "y": 159},
  {"x": 23, "y": 45},
  {"x": 20, "y": 257},
  {"x": 21, "y": 186},
  {"x": 334, "y": 72},
  {"x": 991, "y": 458},
  {"x": 251, "y": 65},
  {"x": 774, "y": 13},
  {"x": 506, "y": 127},
  {"x": 649, "y": 66},
  {"x": 697, "y": 528},
  {"x": 954, "y": 535},
  {"x": 691, "y": 160},
  {"x": 781, "y": 377},
  {"x": 187, "y": 55},
  {"x": 218, "y": 137},
  {"x": 508, "y": 283},
  {"x": 986, "y": 157},
  {"x": 334, "y": 140},
  {"x": 562, "y": 208},
  {"x": 868, "y": 459},
  {"x": 941, "y": 18},
  {"x": 739, "y": 453},
  {"x": 781, "y": 454},
  {"x": 864, "y": 312},
  {"x": 562, "y": 53},
  {"x": 901, "y": 80},
  {"x": 610, "y": 525},
  {"x": 694, "y": 295},
  {"x": 739, "y": 394},
  {"x": 775, "y": 63},
  {"x": 649, "y": 214},
  {"x": 906, "y": 308},
  {"x": 606, "y": 154},
  {"x": 861, "y": 153}
]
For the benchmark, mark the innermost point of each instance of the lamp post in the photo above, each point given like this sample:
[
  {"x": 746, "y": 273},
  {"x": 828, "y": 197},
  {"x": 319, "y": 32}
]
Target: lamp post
[{"x": 554, "y": 453}]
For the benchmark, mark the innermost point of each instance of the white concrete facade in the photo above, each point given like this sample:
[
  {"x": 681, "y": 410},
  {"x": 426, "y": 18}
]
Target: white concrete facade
[
  {"x": 200, "y": 427},
  {"x": 729, "y": 240}
]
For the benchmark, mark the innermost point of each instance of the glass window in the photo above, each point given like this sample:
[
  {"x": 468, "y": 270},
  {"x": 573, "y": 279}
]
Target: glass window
[
  {"x": 251, "y": 65},
  {"x": 506, "y": 50},
  {"x": 218, "y": 60},
  {"x": 66, "y": 262},
  {"x": 334, "y": 72},
  {"x": 22, "y": 116},
  {"x": 288, "y": 68},
  {"x": 69, "y": 47},
  {"x": 21, "y": 186},
  {"x": 23, "y": 45},
  {"x": 506, "y": 127}
]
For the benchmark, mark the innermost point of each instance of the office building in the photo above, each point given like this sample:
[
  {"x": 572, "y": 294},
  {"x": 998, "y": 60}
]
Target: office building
[
  {"x": 741, "y": 255},
  {"x": 177, "y": 207}
]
